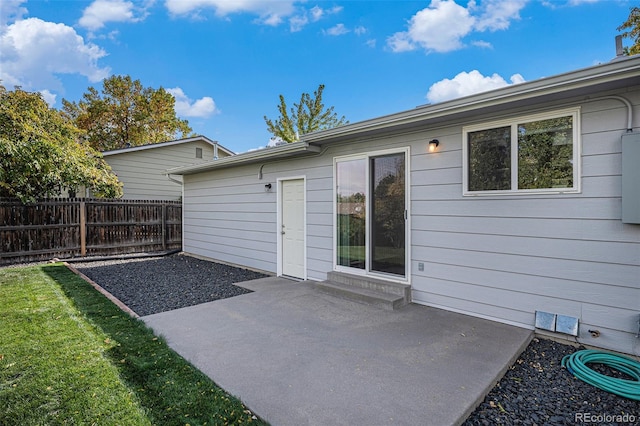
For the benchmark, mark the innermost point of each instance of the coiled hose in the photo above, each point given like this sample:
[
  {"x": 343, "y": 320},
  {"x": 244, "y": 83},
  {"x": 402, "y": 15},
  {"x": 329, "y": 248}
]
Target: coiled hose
[{"x": 577, "y": 362}]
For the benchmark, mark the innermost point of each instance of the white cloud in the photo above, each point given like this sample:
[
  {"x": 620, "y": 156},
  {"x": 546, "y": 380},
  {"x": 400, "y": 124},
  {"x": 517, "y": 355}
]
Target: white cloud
[
  {"x": 49, "y": 97},
  {"x": 317, "y": 12},
  {"x": 100, "y": 12},
  {"x": 337, "y": 30},
  {"x": 271, "y": 19},
  {"x": 185, "y": 107},
  {"x": 439, "y": 28},
  {"x": 468, "y": 83},
  {"x": 11, "y": 11},
  {"x": 517, "y": 79},
  {"x": 442, "y": 26},
  {"x": 371, "y": 42},
  {"x": 297, "y": 23},
  {"x": 270, "y": 12},
  {"x": 400, "y": 42},
  {"x": 314, "y": 14},
  {"x": 498, "y": 14},
  {"x": 35, "y": 52},
  {"x": 482, "y": 44},
  {"x": 360, "y": 30},
  {"x": 578, "y": 2}
]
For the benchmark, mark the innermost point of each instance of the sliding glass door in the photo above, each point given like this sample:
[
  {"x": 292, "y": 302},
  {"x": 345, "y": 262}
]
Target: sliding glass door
[
  {"x": 351, "y": 210},
  {"x": 371, "y": 213},
  {"x": 388, "y": 211}
]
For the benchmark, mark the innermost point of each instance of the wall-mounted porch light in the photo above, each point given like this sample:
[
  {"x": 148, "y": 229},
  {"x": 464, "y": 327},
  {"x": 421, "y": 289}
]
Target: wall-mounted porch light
[
  {"x": 267, "y": 187},
  {"x": 433, "y": 144}
]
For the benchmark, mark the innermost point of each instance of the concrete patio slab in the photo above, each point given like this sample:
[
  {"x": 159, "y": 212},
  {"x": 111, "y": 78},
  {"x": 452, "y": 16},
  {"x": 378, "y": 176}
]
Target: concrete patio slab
[{"x": 296, "y": 356}]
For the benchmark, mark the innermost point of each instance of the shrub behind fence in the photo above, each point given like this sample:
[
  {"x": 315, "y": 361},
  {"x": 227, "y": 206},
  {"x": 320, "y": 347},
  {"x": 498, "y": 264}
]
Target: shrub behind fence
[{"x": 75, "y": 227}]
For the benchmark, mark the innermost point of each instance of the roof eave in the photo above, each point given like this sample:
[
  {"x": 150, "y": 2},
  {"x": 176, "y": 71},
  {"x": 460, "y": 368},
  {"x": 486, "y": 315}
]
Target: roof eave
[
  {"x": 257, "y": 156},
  {"x": 571, "y": 81},
  {"x": 167, "y": 143},
  {"x": 580, "y": 82}
]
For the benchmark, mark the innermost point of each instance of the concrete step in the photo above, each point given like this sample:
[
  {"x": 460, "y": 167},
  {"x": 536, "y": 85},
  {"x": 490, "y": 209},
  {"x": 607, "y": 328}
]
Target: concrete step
[
  {"x": 370, "y": 283},
  {"x": 363, "y": 295}
]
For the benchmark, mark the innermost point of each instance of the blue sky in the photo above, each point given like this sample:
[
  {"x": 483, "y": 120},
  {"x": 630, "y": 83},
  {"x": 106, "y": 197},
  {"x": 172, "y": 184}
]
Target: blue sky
[{"x": 226, "y": 61}]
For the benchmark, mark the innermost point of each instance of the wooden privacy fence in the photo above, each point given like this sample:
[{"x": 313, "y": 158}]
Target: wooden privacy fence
[{"x": 87, "y": 227}]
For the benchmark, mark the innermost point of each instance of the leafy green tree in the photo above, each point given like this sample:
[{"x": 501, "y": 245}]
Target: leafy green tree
[
  {"x": 490, "y": 159},
  {"x": 545, "y": 154},
  {"x": 389, "y": 203},
  {"x": 40, "y": 155},
  {"x": 126, "y": 114},
  {"x": 306, "y": 116},
  {"x": 351, "y": 223},
  {"x": 632, "y": 24}
]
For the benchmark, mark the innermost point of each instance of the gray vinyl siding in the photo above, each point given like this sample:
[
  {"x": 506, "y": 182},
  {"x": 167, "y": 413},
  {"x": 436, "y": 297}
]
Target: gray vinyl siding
[
  {"x": 496, "y": 257},
  {"x": 228, "y": 219},
  {"x": 229, "y": 216},
  {"x": 143, "y": 172},
  {"x": 504, "y": 257}
]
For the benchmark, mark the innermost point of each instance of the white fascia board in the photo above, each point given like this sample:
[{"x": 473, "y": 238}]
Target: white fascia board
[
  {"x": 283, "y": 151},
  {"x": 223, "y": 149},
  {"x": 168, "y": 143}
]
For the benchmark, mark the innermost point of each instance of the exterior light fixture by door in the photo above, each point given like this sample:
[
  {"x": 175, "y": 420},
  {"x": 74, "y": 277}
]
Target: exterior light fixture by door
[
  {"x": 267, "y": 187},
  {"x": 433, "y": 144}
]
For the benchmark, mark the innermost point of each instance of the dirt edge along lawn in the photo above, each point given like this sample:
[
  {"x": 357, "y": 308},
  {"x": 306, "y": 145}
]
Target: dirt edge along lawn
[{"x": 67, "y": 354}]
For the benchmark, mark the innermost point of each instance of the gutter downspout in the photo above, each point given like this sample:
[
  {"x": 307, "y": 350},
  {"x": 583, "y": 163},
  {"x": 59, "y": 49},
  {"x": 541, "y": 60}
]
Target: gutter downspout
[{"x": 172, "y": 179}]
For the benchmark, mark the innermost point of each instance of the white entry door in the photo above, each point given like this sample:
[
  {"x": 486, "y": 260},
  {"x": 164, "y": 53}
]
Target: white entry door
[{"x": 292, "y": 228}]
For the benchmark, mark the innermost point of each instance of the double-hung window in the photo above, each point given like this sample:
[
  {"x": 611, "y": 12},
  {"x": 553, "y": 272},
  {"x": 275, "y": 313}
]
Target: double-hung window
[{"x": 533, "y": 154}]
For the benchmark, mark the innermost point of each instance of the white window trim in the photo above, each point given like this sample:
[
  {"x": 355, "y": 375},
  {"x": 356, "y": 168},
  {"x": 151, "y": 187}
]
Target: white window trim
[
  {"x": 366, "y": 271},
  {"x": 513, "y": 122}
]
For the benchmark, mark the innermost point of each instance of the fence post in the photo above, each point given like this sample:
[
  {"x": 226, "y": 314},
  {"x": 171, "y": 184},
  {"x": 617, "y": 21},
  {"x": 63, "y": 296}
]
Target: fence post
[
  {"x": 66, "y": 227},
  {"x": 83, "y": 229},
  {"x": 164, "y": 226}
]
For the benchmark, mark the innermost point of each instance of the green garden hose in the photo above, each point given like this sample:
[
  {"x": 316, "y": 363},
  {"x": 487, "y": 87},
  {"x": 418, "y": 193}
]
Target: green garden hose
[{"x": 577, "y": 362}]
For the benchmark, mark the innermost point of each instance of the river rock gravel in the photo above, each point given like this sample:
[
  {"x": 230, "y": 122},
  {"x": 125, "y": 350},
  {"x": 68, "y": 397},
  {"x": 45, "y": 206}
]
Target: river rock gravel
[
  {"x": 152, "y": 285},
  {"x": 537, "y": 390}
]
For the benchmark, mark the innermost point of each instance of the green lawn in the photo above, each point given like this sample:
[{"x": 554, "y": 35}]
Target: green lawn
[{"x": 69, "y": 356}]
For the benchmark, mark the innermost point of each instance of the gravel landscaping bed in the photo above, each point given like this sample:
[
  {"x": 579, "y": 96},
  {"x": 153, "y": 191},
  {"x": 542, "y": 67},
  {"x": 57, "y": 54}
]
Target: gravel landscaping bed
[
  {"x": 153, "y": 285},
  {"x": 537, "y": 390}
]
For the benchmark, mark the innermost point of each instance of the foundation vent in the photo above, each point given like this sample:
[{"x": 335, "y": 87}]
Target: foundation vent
[{"x": 557, "y": 323}]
